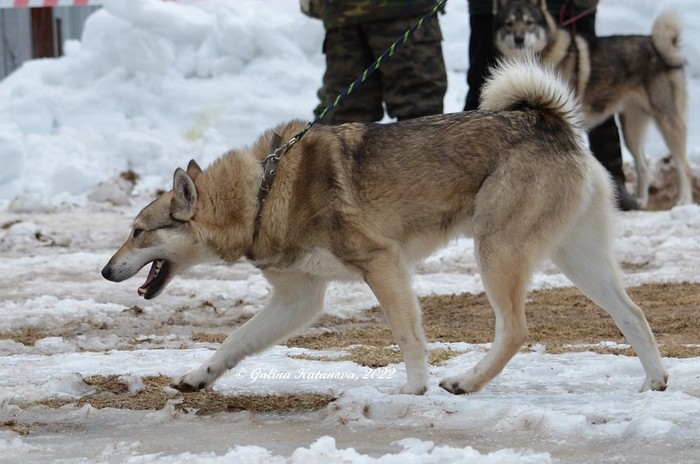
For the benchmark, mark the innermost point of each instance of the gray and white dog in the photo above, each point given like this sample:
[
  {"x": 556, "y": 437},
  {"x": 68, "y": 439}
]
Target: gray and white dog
[{"x": 639, "y": 77}]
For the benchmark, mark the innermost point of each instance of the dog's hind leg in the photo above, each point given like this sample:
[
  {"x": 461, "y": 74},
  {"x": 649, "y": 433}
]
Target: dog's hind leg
[
  {"x": 389, "y": 278},
  {"x": 673, "y": 129},
  {"x": 586, "y": 257},
  {"x": 520, "y": 211},
  {"x": 634, "y": 122},
  {"x": 297, "y": 299},
  {"x": 505, "y": 272}
]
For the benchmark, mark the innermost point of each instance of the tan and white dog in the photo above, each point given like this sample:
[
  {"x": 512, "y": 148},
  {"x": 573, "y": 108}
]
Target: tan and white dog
[
  {"x": 639, "y": 77},
  {"x": 367, "y": 201}
]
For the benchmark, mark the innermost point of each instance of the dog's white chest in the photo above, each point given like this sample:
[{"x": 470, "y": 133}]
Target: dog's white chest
[{"x": 322, "y": 263}]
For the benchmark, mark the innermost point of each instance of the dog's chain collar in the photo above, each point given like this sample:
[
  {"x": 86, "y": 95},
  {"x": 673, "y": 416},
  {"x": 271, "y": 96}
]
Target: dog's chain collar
[{"x": 269, "y": 165}]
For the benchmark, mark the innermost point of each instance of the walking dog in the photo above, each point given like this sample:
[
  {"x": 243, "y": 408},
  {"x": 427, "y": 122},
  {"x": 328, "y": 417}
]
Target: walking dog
[{"x": 367, "y": 201}]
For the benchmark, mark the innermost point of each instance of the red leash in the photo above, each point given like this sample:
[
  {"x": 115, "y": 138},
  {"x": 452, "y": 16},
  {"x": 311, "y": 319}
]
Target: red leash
[{"x": 572, "y": 20}]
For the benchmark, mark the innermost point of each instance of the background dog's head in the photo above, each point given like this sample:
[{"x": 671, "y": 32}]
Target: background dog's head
[{"x": 521, "y": 24}]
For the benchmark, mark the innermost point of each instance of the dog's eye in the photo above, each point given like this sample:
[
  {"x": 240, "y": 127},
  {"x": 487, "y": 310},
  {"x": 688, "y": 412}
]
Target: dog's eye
[
  {"x": 529, "y": 23},
  {"x": 510, "y": 23},
  {"x": 137, "y": 232}
]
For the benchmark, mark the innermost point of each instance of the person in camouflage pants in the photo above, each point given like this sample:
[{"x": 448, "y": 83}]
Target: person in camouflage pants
[{"x": 411, "y": 84}]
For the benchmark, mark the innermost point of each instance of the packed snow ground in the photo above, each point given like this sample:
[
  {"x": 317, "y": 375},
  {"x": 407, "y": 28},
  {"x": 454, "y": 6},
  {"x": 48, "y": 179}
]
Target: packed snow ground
[
  {"x": 577, "y": 407},
  {"x": 153, "y": 84}
]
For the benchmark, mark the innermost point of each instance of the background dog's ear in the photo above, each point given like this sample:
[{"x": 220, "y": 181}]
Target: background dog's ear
[
  {"x": 501, "y": 5},
  {"x": 184, "y": 202},
  {"x": 193, "y": 169}
]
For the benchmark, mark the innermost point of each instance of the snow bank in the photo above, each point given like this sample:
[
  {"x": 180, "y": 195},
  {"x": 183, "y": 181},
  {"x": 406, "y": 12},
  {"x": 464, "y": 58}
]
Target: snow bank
[{"x": 152, "y": 84}]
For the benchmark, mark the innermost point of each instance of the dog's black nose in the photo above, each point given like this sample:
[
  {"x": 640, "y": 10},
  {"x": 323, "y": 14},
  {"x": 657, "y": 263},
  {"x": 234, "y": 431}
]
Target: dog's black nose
[
  {"x": 519, "y": 40},
  {"x": 107, "y": 272}
]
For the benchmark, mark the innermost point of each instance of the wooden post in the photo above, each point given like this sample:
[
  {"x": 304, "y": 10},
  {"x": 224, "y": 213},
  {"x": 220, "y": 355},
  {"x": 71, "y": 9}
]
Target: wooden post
[{"x": 43, "y": 33}]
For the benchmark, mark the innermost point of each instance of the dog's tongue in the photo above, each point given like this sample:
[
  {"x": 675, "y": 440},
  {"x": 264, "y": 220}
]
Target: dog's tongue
[{"x": 151, "y": 275}]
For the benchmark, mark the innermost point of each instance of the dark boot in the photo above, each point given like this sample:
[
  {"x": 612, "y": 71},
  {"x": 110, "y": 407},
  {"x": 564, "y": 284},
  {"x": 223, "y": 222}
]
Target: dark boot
[{"x": 604, "y": 141}]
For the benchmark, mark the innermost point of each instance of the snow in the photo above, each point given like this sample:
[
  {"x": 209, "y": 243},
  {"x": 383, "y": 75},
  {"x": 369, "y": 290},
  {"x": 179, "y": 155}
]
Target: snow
[{"x": 153, "y": 84}]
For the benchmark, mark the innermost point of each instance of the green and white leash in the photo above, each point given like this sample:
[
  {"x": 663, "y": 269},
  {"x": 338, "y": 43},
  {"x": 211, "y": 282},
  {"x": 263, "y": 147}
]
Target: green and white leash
[{"x": 270, "y": 162}]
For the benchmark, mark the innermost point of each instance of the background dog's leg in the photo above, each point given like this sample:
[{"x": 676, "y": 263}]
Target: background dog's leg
[
  {"x": 389, "y": 278},
  {"x": 634, "y": 124},
  {"x": 505, "y": 273},
  {"x": 673, "y": 129},
  {"x": 297, "y": 299},
  {"x": 586, "y": 257}
]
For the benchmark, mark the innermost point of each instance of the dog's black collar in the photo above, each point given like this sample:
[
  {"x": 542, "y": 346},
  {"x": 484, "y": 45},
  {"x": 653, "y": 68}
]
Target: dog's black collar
[
  {"x": 269, "y": 166},
  {"x": 269, "y": 172}
]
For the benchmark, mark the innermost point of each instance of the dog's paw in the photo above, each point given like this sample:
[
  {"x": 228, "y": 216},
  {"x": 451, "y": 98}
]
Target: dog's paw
[
  {"x": 185, "y": 387},
  {"x": 654, "y": 384},
  {"x": 642, "y": 201},
  {"x": 460, "y": 385},
  {"x": 196, "y": 380},
  {"x": 411, "y": 389}
]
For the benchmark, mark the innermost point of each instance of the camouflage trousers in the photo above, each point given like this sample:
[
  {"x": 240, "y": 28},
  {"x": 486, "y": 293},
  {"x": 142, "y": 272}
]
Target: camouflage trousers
[{"x": 411, "y": 84}]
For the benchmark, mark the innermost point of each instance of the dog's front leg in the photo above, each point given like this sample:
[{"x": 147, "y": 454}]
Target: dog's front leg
[
  {"x": 296, "y": 301},
  {"x": 389, "y": 278}
]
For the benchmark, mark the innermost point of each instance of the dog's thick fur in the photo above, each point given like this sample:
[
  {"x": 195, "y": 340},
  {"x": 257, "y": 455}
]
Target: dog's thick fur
[
  {"x": 366, "y": 201},
  {"x": 639, "y": 77}
]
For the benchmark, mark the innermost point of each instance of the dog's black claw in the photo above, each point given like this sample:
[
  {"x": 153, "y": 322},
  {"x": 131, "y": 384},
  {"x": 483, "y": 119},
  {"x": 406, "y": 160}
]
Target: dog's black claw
[
  {"x": 457, "y": 390},
  {"x": 453, "y": 388},
  {"x": 186, "y": 387}
]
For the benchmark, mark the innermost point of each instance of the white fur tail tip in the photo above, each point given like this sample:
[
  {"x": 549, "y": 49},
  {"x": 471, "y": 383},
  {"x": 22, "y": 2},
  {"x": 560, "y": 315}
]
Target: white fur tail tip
[
  {"x": 666, "y": 37},
  {"x": 522, "y": 81}
]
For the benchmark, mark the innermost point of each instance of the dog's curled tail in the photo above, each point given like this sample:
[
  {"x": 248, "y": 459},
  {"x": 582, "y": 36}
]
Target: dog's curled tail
[
  {"x": 523, "y": 82},
  {"x": 666, "y": 37}
]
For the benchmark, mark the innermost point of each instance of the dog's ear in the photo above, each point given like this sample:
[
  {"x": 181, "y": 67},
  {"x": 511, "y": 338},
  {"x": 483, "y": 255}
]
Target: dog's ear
[
  {"x": 184, "y": 202},
  {"x": 193, "y": 169}
]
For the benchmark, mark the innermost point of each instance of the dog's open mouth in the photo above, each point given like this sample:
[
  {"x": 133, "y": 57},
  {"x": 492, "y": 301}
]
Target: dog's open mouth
[{"x": 157, "y": 277}]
